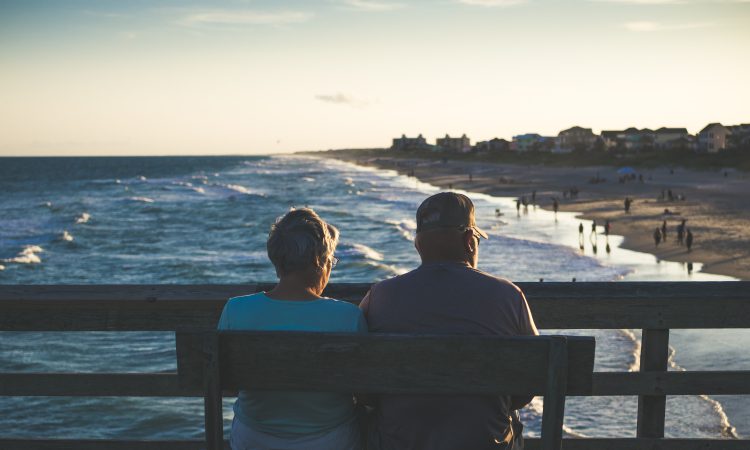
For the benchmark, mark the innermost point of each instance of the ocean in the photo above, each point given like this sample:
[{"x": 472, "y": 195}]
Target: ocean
[{"x": 172, "y": 220}]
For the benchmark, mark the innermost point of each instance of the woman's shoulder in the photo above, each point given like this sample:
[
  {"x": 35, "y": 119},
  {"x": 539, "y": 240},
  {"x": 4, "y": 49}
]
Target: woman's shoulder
[
  {"x": 340, "y": 305},
  {"x": 245, "y": 299}
]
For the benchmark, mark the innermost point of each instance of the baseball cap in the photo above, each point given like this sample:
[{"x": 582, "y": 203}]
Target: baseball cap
[{"x": 447, "y": 210}]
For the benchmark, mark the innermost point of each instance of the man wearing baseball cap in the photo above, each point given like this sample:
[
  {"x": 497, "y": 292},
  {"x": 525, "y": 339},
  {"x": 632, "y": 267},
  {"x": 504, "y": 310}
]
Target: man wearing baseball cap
[{"x": 447, "y": 294}]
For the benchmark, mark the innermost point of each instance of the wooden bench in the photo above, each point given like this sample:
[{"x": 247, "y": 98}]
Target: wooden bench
[{"x": 552, "y": 366}]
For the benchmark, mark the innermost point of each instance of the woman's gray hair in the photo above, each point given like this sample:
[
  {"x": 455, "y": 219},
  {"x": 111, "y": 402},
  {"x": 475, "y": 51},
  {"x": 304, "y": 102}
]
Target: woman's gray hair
[{"x": 300, "y": 240}]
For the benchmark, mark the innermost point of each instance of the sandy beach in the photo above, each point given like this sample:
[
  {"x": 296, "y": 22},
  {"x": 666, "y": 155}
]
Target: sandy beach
[{"x": 716, "y": 206}]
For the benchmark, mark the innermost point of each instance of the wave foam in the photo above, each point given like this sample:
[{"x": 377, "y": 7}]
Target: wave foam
[
  {"x": 362, "y": 251},
  {"x": 27, "y": 256},
  {"x": 2, "y": 267},
  {"x": 407, "y": 227},
  {"x": 67, "y": 237},
  {"x": 141, "y": 199},
  {"x": 83, "y": 218},
  {"x": 727, "y": 429},
  {"x": 635, "y": 364}
]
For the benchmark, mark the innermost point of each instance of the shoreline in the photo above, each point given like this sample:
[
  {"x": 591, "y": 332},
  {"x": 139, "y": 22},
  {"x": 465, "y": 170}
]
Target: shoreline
[{"x": 716, "y": 207}]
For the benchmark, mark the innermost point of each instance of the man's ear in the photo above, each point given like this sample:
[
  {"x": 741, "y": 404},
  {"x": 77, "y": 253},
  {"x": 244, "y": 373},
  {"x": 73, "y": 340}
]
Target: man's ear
[{"x": 468, "y": 240}]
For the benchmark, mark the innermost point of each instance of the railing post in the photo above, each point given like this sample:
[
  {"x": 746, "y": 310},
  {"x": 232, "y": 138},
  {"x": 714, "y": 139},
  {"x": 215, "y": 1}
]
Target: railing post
[
  {"x": 214, "y": 416},
  {"x": 654, "y": 358}
]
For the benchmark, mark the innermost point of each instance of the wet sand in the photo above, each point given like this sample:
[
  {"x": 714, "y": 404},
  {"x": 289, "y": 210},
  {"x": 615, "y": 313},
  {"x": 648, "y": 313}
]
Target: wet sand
[{"x": 717, "y": 207}]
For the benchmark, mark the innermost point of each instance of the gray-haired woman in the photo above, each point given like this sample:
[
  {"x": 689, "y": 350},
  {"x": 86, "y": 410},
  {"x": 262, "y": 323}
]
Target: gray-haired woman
[{"x": 300, "y": 246}]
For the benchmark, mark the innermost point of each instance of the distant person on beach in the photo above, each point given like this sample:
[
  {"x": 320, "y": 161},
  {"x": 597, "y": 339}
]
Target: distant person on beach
[
  {"x": 657, "y": 237},
  {"x": 607, "y": 226},
  {"x": 300, "y": 246},
  {"x": 627, "y": 203},
  {"x": 664, "y": 230},
  {"x": 555, "y": 205},
  {"x": 689, "y": 240},
  {"x": 681, "y": 232},
  {"x": 446, "y": 294}
]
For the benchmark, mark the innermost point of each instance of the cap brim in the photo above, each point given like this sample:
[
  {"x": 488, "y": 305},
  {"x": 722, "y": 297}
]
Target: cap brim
[{"x": 480, "y": 232}]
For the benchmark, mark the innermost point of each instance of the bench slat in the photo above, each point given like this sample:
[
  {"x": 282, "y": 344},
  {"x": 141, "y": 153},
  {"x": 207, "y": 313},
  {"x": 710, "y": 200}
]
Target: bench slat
[{"x": 384, "y": 363}]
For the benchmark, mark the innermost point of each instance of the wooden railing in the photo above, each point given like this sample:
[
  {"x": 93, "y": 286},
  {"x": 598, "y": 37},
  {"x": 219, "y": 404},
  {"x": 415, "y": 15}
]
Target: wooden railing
[{"x": 655, "y": 308}]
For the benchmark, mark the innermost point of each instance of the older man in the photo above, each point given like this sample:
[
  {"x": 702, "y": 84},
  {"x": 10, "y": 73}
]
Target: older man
[{"x": 447, "y": 294}]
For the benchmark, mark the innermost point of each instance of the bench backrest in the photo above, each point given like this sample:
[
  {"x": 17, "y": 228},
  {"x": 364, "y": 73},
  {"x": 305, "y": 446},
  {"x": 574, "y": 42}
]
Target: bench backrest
[{"x": 552, "y": 366}]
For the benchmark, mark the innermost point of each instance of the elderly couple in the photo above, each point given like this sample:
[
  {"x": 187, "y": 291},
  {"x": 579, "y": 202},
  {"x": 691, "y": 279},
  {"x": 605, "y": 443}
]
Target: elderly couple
[{"x": 446, "y": 294}]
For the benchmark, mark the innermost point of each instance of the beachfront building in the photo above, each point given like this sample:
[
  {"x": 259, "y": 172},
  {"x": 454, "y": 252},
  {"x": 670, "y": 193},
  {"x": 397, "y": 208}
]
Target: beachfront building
[
  {"x": 575, "y": 138},
  {"x": 532, "y": 142},
  {"x": 613, "y": 140},
  {"x": 460, "y": 145},
  {"x": 492, "y": 146},
  {"x": 409, "y": 144},
  {"x": 665, "y": 138},
  {"x": 713, "y": 138},
  {"x": 740, "y": 137}
]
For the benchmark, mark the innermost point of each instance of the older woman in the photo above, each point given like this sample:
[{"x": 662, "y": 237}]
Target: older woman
[{"x": 300, "y": 246}]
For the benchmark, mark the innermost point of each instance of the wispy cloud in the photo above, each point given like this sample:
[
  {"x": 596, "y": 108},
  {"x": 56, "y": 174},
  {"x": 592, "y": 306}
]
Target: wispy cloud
[
  {"x": 373, "y": 6},
  {"x": 244, "y": 17},
  {"x": 341, "y": 99},
  {"x": 648, "y": 26},
  {"x": 492, "y": 3}
]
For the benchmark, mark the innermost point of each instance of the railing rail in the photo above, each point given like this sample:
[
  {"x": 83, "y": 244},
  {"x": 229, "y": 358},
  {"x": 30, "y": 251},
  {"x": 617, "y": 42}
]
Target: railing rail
[{"x": 653, "y": 307}]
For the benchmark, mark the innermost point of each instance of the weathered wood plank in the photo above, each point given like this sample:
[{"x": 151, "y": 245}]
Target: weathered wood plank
[
  {"x": 170, "y": 385},
  {"x": 672, "y": 383},
  {"x": 644, "y": 444},
  {"x": 192, "y": 357},
  {"x": 384, "y": 363},
  {"x": 554, "y": 395},
  {"x": 654, "y": 358},
  {"x": 100, "y": 444},
  {"x": 555, "y": 305},
  {"x": 213, "y": 414},
  {"x": 531, "y": 444},
  {"x": 94, "y": 385}
]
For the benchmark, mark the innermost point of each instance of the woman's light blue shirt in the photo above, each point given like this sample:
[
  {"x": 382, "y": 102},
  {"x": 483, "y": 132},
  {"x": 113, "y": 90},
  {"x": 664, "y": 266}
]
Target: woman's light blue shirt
[{"x": 285, "y": 413}]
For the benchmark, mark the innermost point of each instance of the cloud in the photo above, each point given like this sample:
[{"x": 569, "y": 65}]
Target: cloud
[
  {"x": 341, "y": 99},
  {"x": 245, "y": 17},
  {"x": 647, "y": 26},
  {"x": 372, "y": 6},
  {"x": 492, "y": 3}
]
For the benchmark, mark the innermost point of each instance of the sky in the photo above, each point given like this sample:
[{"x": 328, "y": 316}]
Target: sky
[{"x": 143, "y": 77}]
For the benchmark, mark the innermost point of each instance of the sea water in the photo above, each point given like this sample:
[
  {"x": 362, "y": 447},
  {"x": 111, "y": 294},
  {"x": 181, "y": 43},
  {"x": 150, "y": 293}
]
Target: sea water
[{"x": 205, "y": 220}]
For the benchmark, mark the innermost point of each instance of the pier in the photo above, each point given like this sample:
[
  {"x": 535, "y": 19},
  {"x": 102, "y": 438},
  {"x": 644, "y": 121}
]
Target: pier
[{"x": 653, "y": 307}]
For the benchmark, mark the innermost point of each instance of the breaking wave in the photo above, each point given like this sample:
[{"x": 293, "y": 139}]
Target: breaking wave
[{"x": 27, "y": 256}]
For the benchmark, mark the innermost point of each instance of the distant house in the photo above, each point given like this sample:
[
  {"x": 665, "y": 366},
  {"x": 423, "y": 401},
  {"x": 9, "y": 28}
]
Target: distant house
[
  {"x": 492, "y": 146},
  {"x": 637, "y": 140},
  {"x": 684, "y": 143},
  {"x": 409, "y": 144},
  {"x": 664, "y": 137},
  {"x": 460, "y": 145},
  {"x": 575, "y": 138},
  {"x": 532, "y": 142},
  {"x": 713, "y": 138},
  {"x": 613, "y": 140},
  {"x": 740, "y": 137}
]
